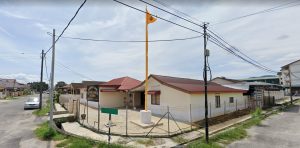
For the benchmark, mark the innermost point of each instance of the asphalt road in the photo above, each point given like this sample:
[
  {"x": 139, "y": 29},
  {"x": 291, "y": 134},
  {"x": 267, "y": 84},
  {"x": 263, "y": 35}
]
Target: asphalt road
[
  {"x": 278, "y": 131},
  {"x": 17, "y": 126}
]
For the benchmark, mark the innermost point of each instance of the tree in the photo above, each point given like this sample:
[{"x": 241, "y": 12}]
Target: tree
[
  {"x": 60, "y": 84},
  {"x": 36, "y": 86}
]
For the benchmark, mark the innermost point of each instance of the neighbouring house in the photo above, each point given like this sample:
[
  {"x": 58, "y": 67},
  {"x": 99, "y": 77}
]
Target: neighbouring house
[
  {"x": 225, "y": 81},
  {"x": 271, "y": 79},
  {"x": 75, "y": 88},
  {"x": 291, "y": 73},
  {"x": 114, "y": 93},
  {"x": 184, "y": 98},
  {"x": 64, "y": 89},
  {"x": 10, "y": 87},
  {"x": 259, "y": 94}
]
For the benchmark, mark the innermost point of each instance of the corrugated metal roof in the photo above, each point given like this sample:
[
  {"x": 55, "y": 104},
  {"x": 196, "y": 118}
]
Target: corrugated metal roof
[
  {"x": 191, "y": 85},
  {"x": 123, "y": 83}
]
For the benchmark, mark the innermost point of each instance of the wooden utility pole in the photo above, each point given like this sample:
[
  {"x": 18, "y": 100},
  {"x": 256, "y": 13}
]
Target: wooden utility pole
[
  {"x": 52, "y": 78},
  {"x": 206, "y": 54},
  {"x": 41, "y": 81}
]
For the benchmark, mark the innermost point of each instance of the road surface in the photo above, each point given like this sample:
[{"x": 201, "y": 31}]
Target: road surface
[
  {"x": 17, "y": 126},
  {"x": 278, "y": 131}
]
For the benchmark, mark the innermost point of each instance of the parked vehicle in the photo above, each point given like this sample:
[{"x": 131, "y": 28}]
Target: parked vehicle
[{"x": 32, "y": 103}]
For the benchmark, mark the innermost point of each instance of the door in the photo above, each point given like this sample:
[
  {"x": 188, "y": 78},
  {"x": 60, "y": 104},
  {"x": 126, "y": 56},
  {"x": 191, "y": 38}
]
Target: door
[{"x": 143, "y": 99}]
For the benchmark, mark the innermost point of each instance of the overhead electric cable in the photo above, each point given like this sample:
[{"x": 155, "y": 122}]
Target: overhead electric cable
[
  {"x": 176, "y": 10},
  {"x": 67, "y": 25},
  {"x": 236, "y": 49},
  {"x": 171, "y": 13},
  {"x": 278, "y": 7},
  {"x": 73, "y": 71},
  {"x": 182, "y": 26},
  {"x": 221, "y": 45},
  {"x": 129, "y": 41}
]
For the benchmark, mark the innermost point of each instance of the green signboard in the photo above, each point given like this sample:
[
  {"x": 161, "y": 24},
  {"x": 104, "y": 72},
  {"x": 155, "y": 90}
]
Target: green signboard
[{"x": 109, "y": 111}]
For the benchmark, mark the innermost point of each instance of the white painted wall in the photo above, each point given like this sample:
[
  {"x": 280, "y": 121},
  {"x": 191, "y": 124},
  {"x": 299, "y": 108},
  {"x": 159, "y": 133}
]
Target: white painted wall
[
  {"x": 198, "y": 107},
  {"x": 112, "y": 99},
  {"x": 295, "y": 69},
  {"x": 276, "y": 94}
]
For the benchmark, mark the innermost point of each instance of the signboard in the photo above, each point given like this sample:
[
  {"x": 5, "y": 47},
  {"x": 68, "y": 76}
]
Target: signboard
[
  {"x": 109, "y": 111},
  {"x": 92, "y": 93}
]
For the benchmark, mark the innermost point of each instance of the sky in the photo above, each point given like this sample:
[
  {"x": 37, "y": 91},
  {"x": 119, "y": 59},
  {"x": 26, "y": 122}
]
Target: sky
[{"x": 270, "y": 38}]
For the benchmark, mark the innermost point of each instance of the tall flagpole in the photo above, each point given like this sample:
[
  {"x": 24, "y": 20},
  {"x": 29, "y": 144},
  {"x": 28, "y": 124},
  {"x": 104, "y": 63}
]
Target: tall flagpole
[{"x": 146, "y": 74}]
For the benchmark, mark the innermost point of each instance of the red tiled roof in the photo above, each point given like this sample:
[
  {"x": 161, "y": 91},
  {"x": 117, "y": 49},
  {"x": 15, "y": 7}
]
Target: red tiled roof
[
  {"x": 123, "y": 83},
  {"x": 191, "y": 85}
]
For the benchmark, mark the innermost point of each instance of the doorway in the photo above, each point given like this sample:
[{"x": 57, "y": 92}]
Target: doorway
[{"x": 142, "y": 99}]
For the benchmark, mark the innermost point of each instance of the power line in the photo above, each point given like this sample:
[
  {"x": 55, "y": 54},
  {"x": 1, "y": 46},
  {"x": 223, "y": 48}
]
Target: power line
[
  {"x": 217, "y": 42},
  {"x": 278, "y": 7},
  {"x": 176, "y": 10},
  {"x": 129, "y": 41},
  {"x": 182, "y": 26},
  {"x": 67, "y": 25},
  {"x": 221, "y": 45},
  {"x": 73, "y": 71},
  {"x": 172, "y": 13},
  {"x": 238, "y": 50}
]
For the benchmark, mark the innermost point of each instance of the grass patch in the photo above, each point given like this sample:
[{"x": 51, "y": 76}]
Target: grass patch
[
  {"x": 203, "y": 144},
  {"x": 146, "y": 142},
  {"x": 226, "y": 137},
  {"x": 43, "y": 132},
  {"x": 44, "y": 111}
]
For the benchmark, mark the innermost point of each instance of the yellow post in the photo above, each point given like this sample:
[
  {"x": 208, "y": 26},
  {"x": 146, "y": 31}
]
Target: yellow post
[
  {"x": 146, "y": 74},
  {"x": 149, "y": 19}
]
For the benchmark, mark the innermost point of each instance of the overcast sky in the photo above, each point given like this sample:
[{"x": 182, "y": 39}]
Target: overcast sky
[{"x": 270, "y": 38}]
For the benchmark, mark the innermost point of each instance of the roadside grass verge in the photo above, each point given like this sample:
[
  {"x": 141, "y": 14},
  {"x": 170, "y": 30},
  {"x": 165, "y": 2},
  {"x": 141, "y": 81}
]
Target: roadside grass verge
[
  {"x": 43, "y": 132},
  {"x": 44, "y": 111},
  {"x": 232, "y": 134},
  {"x": 238, "y": 131}
]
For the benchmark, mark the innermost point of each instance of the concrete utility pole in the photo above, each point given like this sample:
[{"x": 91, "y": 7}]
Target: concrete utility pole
[
  {"x": 41, "y": 81},
  {"x": 206, "y": 54},
  {"x": 52, "y": 78}
]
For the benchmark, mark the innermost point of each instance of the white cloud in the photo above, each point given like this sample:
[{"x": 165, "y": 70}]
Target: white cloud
[
  {"x": 14, "y": 15},
  {"x": 21, "y": 77}
]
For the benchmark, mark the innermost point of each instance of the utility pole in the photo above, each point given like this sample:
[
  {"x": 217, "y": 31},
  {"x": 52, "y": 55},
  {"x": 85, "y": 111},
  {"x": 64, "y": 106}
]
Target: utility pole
[
  {"x": 41, "y": 81},
  {"x": 291, "y": 95},
  {"x": 52, "y": 78},
  {"x": 206, "y": 54}
]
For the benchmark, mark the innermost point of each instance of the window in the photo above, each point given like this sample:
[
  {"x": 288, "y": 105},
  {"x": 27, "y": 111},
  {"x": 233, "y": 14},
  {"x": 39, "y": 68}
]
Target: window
[
  {"x": 218, "y": 101},
  {"x": 231, "y": 100},
  {"x": 82, "y": 95},
  {"x": 155, "y": 99}
]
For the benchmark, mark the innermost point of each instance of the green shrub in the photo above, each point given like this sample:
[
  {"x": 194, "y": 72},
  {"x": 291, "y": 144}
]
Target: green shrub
[
  {"x": 257, "y": 112},
  {"x": 49, "y": 134}
]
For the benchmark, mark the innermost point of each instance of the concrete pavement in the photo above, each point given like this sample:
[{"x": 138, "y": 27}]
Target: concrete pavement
[
  {"x": 17, "y": 126},
  {"x": 278, "y": 131}
]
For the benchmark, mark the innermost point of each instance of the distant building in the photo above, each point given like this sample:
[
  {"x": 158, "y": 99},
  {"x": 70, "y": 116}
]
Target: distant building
[
  {"x": 259, "y": 93},
  {"x": 10, "y": 87},
  {"x": 272, "y": 79},
  {"x": 291, "y": 73}
]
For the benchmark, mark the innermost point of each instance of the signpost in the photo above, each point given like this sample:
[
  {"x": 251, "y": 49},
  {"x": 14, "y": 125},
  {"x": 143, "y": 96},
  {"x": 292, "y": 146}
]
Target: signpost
[
  {"x": 91, "y": 95},
  {"x": 109, "y": 111}
]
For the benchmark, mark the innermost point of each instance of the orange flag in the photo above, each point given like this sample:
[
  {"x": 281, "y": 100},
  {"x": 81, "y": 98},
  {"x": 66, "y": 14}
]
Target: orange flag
[{"x": 149, "y": 18}]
